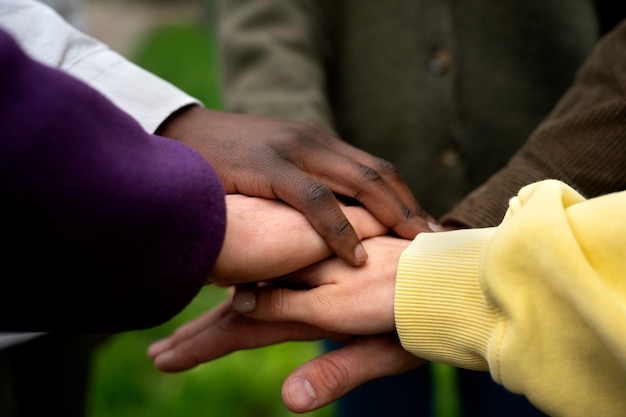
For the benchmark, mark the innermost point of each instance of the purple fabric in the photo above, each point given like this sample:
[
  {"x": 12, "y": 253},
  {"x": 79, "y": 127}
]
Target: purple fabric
[{"x": 104, "y": 227}]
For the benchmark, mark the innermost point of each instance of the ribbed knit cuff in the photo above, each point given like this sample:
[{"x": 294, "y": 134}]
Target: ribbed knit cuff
[{"x": 440, "y": 310}]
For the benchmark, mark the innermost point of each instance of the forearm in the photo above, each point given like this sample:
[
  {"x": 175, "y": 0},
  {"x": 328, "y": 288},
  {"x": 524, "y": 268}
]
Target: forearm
[
  {"x": 532, "y": 301},
  {"x": 46, "y": 37},
  {"x": 273, "y": 55},
  {"x": 106, "y": 227},
  {"x": 580, "y": 143}
]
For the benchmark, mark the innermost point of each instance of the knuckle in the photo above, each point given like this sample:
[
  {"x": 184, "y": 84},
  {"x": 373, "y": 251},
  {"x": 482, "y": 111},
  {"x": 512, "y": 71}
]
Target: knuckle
[
  {"x": 278, "y": 303},
  {"x": 337, "y": 228},
  {"x": 313, "y": 132},
  {"x": 302, "y": 130},
  {"x": 312, "y": 129},
  {"x": 333, "y": 376},
  {"x": 386, "y": 168},
  {"x": 369, "y": 175},
  {"x": 318, "y": 194},
  {"x": 343, "y": 227},
  {"x": 409, "y": 214},
  {"x": 322, "y": 200}
]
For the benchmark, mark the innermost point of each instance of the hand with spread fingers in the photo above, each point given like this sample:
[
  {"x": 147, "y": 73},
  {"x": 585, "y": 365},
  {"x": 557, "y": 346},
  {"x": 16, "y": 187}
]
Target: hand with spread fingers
[{"x": 302, "y": 165}]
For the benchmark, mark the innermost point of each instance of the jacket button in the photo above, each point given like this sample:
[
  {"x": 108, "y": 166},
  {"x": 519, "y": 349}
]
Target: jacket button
[
  {"x": 450, "y": 156},
  {"x": 440, "y": 61}
]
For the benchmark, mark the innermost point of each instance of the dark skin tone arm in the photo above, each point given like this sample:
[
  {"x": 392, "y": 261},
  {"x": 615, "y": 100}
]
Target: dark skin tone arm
[{"x": 304, "y": 166}]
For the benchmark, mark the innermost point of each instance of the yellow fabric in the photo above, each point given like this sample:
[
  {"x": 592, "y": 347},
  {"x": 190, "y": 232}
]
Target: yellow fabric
[{"x": 539, "y": 301}]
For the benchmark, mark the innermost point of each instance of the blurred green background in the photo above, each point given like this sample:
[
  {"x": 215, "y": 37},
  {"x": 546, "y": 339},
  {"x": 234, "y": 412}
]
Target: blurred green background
[{"x": 244, "y": 384}]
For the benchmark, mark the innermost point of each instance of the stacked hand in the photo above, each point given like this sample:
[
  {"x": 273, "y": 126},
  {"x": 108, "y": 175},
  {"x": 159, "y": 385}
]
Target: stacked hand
[
  {"x": 267, "y": 240},
  {"x": 352, "y": 305},
  {"x": 302, "y": 165}
]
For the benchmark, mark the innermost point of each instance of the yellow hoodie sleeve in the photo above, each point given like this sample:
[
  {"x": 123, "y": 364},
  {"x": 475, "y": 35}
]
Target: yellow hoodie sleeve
[{"x": 539, "y": 301}]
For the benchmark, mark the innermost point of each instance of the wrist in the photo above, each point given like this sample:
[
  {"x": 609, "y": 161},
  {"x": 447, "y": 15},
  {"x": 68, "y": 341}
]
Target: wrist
[
  {"x": 440, "y": 310},
  {"x": 180, "y": 122}
]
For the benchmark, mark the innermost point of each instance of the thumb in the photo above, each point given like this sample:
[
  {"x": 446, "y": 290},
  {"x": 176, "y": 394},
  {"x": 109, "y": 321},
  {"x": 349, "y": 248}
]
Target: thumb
[{"x": 328, "y": 377}]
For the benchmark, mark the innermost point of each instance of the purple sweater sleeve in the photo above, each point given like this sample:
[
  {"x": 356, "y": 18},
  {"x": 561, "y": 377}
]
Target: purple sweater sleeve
[{"x": 104, "y": 227}]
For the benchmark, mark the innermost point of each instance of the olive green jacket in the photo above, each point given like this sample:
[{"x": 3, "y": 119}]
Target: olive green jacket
[{"x": 448, "y": 91}]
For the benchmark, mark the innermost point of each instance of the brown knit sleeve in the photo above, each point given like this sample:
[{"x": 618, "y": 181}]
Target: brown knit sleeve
[{"x": 582, "y": 141}]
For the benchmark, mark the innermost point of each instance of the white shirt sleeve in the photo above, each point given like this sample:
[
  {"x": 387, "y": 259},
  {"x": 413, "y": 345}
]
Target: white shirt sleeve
[
  {"x": 48, "y": 38},
  {"x": 12, "y": 339}
]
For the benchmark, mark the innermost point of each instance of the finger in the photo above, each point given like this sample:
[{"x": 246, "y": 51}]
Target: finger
[
  {"x": 384, "y": 168},
  {"x": 190, "y": 329},
  {"x": 324, "y": 306},
  {"x": 364, "y": 223},
  {"x": 328, "y": 377},
  {"x": 268, "y": 238},
  {"x": 319, "y": 205},
  {"x": 283, "y": 304},
  {"x": 221, "y": 332},
  {"x": 300, "y": 296},
  {"x": 348, "y": 177}
]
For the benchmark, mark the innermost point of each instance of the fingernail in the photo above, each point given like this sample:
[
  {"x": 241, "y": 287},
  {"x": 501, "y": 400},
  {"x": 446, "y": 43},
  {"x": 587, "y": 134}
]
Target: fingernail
[
  {"x": 435, "y": 227},
  {"x": 302, "y": 394},
  {"x": 359, "y": 254},
  {"x": 244, "y": 301}
]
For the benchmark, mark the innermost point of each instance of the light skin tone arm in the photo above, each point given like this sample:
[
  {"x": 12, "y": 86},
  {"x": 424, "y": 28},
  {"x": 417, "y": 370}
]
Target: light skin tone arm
[
  {"x": 268, "y": 238},
  {"x": 304, "y": 166},
  {"x": 270, "y": 163},
  {"x": 362, "y": 306},
  {"x": 339, "y": 299}
]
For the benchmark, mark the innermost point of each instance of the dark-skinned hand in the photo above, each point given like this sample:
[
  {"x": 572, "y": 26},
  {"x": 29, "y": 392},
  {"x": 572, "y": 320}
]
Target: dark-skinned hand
[{"x": 304, "y": 166}]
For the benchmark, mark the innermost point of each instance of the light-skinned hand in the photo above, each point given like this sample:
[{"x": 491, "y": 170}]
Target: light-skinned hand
[
  {"x": 341, "y": 302},
  {"x": 313, "y": 385},
  {"x": 268, "y": 238},
  {"x": 340, "y": 299},
  {"x": 302, "y": 165}
]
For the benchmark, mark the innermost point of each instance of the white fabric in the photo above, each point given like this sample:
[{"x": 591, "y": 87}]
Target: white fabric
[
  {"x": 10, "y": 339},
  {"x": 70, "y": 10},
  {"x": 48, "y": 38}
]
